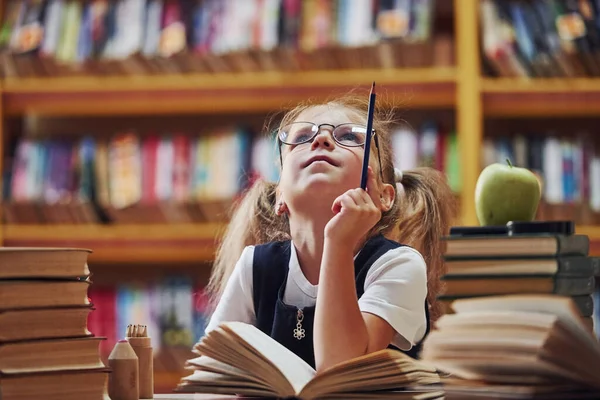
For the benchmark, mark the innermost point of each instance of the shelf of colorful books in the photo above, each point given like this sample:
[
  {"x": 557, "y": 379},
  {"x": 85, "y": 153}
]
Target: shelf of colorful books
[
  {"x": 221, "y": 92},
  {"x": 516, "y": 97},
  {"x": 135, "y": 243}
]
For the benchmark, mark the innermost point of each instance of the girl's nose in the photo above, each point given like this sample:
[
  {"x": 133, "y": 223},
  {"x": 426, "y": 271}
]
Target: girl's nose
[{"x": 324, "y": 138}]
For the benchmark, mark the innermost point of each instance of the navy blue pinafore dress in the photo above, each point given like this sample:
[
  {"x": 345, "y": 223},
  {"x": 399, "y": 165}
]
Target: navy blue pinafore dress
[{"x": 293, "y": 327}]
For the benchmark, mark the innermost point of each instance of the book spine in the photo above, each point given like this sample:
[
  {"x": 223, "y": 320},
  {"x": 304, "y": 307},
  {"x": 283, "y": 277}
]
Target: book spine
[{"x": 574, "y": 286}]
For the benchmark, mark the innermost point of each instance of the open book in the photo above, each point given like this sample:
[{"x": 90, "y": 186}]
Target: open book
[
  {"x": 237, "y": 358},
  {"x": 521, "y": 346}
]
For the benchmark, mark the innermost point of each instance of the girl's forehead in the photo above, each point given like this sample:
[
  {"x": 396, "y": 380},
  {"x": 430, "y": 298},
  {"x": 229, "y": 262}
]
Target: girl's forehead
[{"x": 326, "y": 114}]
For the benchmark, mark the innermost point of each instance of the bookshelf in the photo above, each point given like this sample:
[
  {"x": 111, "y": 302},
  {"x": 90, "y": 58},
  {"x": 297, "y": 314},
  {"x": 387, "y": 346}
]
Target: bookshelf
[
  {"x": 460, "y": 85},
  {"x": 2, "y": 124},
  {"x": 468, "y": 107}
]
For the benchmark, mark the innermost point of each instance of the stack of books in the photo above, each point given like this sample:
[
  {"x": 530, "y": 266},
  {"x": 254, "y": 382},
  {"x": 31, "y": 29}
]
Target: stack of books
[
  {"x": 515, "y": 347},
  {"x": 46, "y": 350},
  {"x": 484, "y": 261}
]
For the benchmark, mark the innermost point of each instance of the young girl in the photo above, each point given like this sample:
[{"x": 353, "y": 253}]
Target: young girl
[{"x": 316, "y": 262}]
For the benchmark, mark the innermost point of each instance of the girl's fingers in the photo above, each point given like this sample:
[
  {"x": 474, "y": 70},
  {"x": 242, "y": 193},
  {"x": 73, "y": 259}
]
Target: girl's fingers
[
  {"x": 359, "y": 196},
  {"x": 347, "y": 200},
  {"x": 373, "y": 188}
]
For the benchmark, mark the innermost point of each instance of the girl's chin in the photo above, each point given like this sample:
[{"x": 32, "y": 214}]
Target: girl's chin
[{"x": 326, "y": 183}]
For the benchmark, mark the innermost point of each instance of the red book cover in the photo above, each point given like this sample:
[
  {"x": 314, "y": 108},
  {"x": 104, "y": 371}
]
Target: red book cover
[
  {"x": 149, "y": 150},
  {"x": 181, "y": 167},
  {"x": 440, "y": 151},
  {"x": 102, "y": 321}
]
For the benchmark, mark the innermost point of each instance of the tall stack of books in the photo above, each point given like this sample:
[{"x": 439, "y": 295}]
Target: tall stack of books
[
  {"x": 46, "y": 350},
  {"x": 485, "y": 261}
]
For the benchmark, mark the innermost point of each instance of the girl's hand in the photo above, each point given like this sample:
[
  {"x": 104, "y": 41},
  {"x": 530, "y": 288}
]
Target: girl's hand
[{"x": 355, "y": 213}]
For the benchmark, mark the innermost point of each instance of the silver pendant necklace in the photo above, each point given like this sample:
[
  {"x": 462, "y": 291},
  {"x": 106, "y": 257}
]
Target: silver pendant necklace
[{"x": 299, "y": 332}]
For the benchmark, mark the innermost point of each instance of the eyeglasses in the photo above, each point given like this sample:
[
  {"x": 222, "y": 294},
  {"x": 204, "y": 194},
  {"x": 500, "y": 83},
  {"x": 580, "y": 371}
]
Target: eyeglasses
[{"x": 348, "y": 135}]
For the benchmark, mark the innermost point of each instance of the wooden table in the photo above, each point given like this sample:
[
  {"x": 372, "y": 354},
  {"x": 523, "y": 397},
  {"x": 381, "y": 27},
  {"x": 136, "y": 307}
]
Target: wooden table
[
  {"x": 196, "y": 396},
  {"x": 192, "y": 396}
]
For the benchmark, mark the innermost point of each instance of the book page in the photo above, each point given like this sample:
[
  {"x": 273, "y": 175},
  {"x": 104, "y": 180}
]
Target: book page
[
  {"x": 398, "y": 395},
  {"x": 506, "y": 371},
  {"x": 505, "y": 319},
  {"x": 382, "y": 370},
  {"x": 293, "y": 368},
  {"x": 562, "y": 350},
  {"x": 208, "y": 364},
  {"x": 562, "y": 307},
  {"x": 228, "y": 348},
  {"x": 210, "y": 382}
]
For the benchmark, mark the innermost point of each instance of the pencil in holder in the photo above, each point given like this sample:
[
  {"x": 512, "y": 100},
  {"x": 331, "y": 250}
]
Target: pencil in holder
[{"x": 137, "y": 336}]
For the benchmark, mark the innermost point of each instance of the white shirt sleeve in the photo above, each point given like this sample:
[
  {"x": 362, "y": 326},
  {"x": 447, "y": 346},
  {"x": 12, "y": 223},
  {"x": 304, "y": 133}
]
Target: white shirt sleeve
[
  {"x": 237, "y": 302},
  {"x": 395, "y": 290}
]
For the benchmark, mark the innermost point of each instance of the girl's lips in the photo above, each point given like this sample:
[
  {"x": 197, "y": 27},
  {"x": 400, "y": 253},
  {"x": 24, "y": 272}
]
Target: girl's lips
[{"x": 321, "y": 157}]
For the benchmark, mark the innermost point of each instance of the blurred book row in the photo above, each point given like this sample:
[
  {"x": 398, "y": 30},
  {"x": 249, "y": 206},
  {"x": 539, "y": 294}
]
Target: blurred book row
[
  {"x": 541, "y": 38},
  {"x": 127, "y": 178},
  {"x": 152, "y": 178},
  {"x": 174, "y": 309},
  {"x": 66, "y": 37},
  {"x": 133, "y": 177},
  {"x": 569, "y": 168},
  {"x": 432, "y": 144}
]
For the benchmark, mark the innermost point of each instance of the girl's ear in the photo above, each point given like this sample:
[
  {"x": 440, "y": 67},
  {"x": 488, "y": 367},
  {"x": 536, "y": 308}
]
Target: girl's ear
[
  {"x": 280, "y": 206},
  {"x": 388, "y": 194}
]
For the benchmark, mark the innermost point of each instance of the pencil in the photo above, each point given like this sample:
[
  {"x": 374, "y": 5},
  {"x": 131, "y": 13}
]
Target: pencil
[{"x": 363, "y": 180}]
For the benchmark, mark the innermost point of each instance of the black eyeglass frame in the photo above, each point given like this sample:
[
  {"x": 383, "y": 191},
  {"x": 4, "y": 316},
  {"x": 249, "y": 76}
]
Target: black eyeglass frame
[{"x": 373, "y": 135}]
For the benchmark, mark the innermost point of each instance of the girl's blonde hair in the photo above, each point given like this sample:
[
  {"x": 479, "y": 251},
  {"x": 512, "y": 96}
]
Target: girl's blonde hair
[{"x": 422, "y": 211}]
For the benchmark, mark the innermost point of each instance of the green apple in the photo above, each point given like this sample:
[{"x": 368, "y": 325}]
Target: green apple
[{"x": 506, "y": 193}]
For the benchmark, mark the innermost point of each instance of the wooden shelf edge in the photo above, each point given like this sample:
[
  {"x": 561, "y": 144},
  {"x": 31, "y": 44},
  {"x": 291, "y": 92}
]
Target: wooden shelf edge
[
  {"x": 539, "y": 85},
  {"x": 246, "y": 80},
  {"x": 540, "y": 98},
  {"x": 214, "y": 93},
  {"x": 592, "y": 231},
  {"x": 179, "y": 103},
  {"x": 181, "y": 243},
  {"x": 114, "y": 231}
]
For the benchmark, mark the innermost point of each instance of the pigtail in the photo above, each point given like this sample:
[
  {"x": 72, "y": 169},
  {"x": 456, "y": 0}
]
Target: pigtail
[
  {"x": 252, "y": 222},
  {"x": 425, "y": 214}
]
